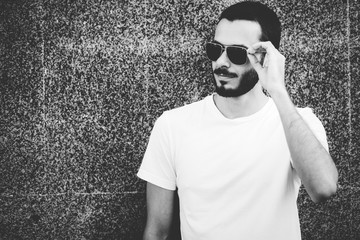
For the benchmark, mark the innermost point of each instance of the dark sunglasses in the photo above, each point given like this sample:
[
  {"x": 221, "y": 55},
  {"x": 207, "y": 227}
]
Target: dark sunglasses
[{"x": 236, "y": 54}]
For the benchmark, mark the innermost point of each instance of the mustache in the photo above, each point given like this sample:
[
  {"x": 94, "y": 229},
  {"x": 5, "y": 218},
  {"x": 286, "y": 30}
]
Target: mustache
[{"x": 224, "y": 71}]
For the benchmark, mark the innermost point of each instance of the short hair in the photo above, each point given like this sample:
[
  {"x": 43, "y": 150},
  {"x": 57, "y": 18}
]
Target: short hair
[{"x": 260, "y": 13}]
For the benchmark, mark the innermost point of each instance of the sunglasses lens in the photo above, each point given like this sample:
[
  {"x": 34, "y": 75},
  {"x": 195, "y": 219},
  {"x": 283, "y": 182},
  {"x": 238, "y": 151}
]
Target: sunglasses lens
[
  {"x": 213, "y": 51},
  {"x": 237, "y": 55}
]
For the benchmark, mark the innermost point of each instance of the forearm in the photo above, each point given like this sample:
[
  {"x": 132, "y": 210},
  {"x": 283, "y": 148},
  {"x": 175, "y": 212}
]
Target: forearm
[
  {"x": 155, "y": 235},
  {"x": 310, "y": 159},
  {"x": 159, "y": 212}
]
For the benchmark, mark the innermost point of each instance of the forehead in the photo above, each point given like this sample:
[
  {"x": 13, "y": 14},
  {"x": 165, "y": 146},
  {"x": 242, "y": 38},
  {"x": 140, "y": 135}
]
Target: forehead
[{"x": 238, "y": 32}]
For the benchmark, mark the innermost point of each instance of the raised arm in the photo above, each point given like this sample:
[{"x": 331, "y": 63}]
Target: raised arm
[
  {"x": 310, "y": 159},
  {"x": 160, "y": 203}
]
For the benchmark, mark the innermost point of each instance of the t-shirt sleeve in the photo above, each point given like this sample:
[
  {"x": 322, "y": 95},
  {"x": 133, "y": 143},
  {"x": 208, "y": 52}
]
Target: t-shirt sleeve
[
  {"x": 315, "y": 125},
  {"x": 317, "y": 128},
  {"x": 157, "y": 166}
]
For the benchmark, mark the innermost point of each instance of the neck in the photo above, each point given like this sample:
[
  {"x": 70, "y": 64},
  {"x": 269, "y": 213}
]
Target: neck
[{"x": 242, "y": 106}]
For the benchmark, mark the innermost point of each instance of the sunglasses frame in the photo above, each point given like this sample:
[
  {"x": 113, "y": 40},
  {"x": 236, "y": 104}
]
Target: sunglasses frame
[{"x": 225, "y": 48}]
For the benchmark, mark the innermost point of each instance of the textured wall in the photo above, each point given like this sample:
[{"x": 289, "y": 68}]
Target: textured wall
[{"x": 82, "y": 83}]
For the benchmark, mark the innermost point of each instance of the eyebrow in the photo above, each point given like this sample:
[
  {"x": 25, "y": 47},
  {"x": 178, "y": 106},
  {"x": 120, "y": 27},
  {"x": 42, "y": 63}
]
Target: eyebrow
[{"x": 235, "y": 45}]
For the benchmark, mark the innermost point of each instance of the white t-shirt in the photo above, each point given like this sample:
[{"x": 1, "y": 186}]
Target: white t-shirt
[{"x": 234, "y": 176}]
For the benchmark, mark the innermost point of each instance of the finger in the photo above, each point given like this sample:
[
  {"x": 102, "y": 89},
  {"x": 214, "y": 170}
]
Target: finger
[
  {"x": 258, "y": 55},
  {"x": 267, "y": 50},
  {"x": 256, "y": 50},
  {"x": 254, "y": 61},
  {"x": 262, "y": 47},
  {"x": 265, "y": 62}
]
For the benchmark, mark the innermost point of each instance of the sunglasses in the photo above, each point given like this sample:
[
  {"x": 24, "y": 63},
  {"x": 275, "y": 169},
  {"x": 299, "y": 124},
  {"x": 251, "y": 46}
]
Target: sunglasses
[{"x": 236, "y": 54}]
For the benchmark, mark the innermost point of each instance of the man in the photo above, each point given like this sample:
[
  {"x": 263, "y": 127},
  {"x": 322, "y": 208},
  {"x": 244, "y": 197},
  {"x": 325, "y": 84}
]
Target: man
[{"x": 238, "y": 157}]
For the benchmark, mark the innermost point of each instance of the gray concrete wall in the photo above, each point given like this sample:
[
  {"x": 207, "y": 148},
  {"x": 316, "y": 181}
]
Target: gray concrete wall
[{"x": 82, "y": 82}]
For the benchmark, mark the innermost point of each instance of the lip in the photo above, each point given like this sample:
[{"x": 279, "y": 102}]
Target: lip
[
  {"x": 226, "y": 75},
  {"x": 223, "y": 80}
]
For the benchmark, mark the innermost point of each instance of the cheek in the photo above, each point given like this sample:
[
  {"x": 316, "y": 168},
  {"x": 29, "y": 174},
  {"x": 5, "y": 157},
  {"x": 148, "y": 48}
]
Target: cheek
[
  {"x": 241, "y": 69},
  {"x": 213, "y": 65}
]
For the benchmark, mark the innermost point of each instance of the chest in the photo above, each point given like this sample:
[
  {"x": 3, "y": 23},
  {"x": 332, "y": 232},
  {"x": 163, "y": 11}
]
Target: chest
[{"x": 211, "y": 156}]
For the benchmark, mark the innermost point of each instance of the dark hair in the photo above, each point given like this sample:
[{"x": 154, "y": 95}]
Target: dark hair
[{"x": 260, "y": 13}]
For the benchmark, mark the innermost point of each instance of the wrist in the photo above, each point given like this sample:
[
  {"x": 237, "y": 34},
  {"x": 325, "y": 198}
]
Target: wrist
[
  {"x": 278, "y": 93},
  {"x": 283, "y": 101}
]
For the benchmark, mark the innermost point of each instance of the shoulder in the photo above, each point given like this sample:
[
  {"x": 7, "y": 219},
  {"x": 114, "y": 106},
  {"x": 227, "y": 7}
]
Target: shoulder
[
  {"x": 308, "y": 115},
  {"x": 185, "y": 112},
  {"x": 314, "y": 124}
]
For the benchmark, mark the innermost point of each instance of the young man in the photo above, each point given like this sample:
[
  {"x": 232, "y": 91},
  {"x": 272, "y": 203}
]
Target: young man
[{"x": 238, "y": 157}]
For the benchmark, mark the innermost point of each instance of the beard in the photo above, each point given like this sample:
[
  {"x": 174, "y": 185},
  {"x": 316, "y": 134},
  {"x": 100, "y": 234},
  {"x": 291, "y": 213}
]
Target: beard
[{"x": 247, "y": 82}]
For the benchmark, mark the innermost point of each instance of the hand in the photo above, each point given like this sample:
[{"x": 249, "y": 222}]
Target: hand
[{"x": 271, "y": 70}]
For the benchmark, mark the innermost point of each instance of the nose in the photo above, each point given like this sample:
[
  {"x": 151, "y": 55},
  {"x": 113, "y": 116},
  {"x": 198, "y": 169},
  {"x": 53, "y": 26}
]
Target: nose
[{"x": 223, "y": 60}]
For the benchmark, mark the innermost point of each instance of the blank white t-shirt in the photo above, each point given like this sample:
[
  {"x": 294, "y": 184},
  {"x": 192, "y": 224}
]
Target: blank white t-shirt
[{"x": 234, "y": 176}]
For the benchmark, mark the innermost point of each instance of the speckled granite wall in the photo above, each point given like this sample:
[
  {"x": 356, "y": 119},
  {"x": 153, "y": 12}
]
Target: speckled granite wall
[{"x": 82, "y": 83}]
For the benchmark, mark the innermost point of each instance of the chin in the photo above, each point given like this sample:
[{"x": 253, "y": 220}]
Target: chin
[{"x": 245, "y": 84}]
